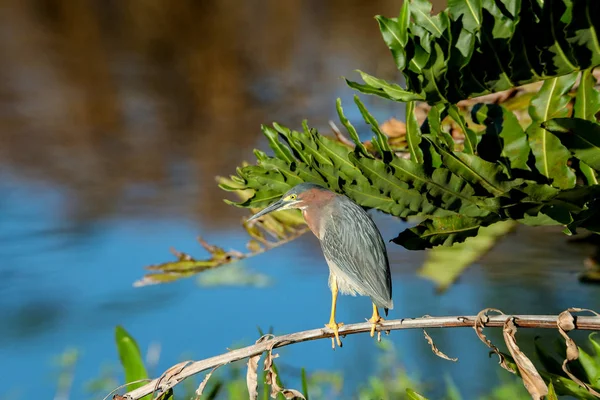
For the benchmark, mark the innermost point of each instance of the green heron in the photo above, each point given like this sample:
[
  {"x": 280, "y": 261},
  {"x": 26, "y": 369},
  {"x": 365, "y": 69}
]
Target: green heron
[{"x": 352, "y": 245}]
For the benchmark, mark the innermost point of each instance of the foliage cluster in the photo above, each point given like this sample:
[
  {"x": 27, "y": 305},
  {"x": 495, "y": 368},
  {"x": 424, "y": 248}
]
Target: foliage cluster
[{"x": 543, "y": 173}]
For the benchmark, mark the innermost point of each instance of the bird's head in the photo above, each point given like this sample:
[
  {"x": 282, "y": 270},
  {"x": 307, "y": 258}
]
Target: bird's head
[{"x": 300, "y": 196}]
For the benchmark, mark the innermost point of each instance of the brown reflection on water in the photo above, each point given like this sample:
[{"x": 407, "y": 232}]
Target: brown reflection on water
[{"x": 135, "y": 106}]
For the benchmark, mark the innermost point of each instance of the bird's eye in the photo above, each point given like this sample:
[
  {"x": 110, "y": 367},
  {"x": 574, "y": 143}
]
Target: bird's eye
[{"x": 292, "y": 197}]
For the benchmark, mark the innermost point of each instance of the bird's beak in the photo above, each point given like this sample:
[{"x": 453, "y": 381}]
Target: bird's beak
[{"x": 278, "y": 205}]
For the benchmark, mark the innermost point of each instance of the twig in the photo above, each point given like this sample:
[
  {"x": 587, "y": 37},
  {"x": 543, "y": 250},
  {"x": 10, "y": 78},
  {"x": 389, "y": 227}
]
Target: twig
[{"x": 521, "y": 321}]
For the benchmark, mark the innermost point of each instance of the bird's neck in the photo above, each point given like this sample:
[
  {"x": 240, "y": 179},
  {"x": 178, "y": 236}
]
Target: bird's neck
[{"x": 315, "y": 214}]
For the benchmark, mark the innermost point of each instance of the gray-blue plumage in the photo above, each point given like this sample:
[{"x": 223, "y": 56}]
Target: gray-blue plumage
[{"x": 355, "y": 252}]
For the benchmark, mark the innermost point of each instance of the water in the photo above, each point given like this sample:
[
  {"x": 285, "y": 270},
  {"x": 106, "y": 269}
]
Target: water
[{"x": 114, "y": 120}]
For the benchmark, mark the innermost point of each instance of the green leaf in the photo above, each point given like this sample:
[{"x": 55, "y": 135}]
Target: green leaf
[
  {"x": 490, "y": 176},
  {"x": 413, "y": 134},
  {"x": 477, "y": 47},
  {"x": 470, "y": 136},
  {"x": 280, "y": 150},
  {"x": 589, "y": 174},
  {"x": 444, "y": 189},
  {"x": 403, "y": 23},
  {"x": 548, "y": 361},
  {"x": 380, "y": 139},
  {"x": 412, "y": 395},
  {"x": 350, "y": 128},
  {"x": 304, "y": 383},
  {"x": 382, "y": 88},
  {"x": 503, "y": 139},
  {"x": 587, "y": 100},
  {"x": 566, "y": 387},
  {"x": 551, "y": 392},
  {"x": 395, "y": 34},
  {"x": 443, "y": 231},
  {"x": 587, "y": 105},
  {"x": 420, "y": 10},
  {"x": 550, "y": 155},
  {"x": 444, "y": 265},
  {"x": 580, "y": 137},
  {"x": 469, "y": 10},
  {"x": 131, "y": 358},
  {"x": 387, "y": 192},
  {"x": 590, "y": 365}
]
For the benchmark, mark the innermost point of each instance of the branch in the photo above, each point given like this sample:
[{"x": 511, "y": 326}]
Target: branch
[{"x": 192, "y": 368}]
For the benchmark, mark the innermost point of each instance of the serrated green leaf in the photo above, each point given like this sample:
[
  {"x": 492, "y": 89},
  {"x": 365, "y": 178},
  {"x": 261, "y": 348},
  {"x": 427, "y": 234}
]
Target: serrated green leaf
[
  {"x": 443, "y": 231},
  {"x": 395, "y": 35},
  {"x": 489, "y": 46},
  {"x": 504, "y": 139},
  {"x": 580, "y": 137},
  {"x": 587, "y": 100},
  {"x": 380, "y": 139},
  {"x": 420, "y": 10},
  {"x": 443, "y": 189},
  {"x": 470, "y": 144},
  {"x": 280, "y": 150},
  {"x": 413, "y": 134},
  {"x": 490, "y": 176},
  {"x": 550, "y": 155},
  {"x": 469, "y": 10},
  {"x": 350, "y": 128},
  {"x": 388, "y": 191},
  {"x": 383, "y": 88},
  {"x": 587, "y": 105}
]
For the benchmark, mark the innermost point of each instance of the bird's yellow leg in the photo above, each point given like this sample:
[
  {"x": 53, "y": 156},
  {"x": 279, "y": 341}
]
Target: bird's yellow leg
[
  {"x": 334, "y": 326},
  {"x": 375, "y": 319}
]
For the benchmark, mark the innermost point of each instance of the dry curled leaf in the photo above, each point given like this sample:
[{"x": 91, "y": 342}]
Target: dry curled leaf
[
  {"x": 252, "y": 377},
  {"x": 393, "y": 128},
  {"x": 252, "y": 373},
  {"x": 480, "y": 322},
  {"x": 169, "y": 374},
  {"x": 202, "y": 385},
  {"x": 271, "y": 380},
  {"x": 435, "y": 350},
  {"x": 340, "y": 136},
  {"x": 532, "y": 380},
  {"x": 421, "y": 111},
  {"x": 566, "y": 323}
]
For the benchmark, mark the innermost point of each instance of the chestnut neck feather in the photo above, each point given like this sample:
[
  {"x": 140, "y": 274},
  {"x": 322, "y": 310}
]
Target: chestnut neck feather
[{"x": 315, "y": 202}]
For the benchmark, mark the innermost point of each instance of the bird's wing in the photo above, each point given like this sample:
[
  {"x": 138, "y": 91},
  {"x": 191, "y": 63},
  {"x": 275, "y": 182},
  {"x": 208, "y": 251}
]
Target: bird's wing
[{"x": 351, "y": 240}]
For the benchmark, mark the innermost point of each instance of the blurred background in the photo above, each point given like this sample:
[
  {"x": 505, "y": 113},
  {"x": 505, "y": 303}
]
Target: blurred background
[{"x": 115, "y": 118}]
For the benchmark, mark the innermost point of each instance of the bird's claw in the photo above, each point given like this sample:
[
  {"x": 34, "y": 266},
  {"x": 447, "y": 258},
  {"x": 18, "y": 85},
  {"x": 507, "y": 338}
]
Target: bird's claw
[
  {"x": 334, "y": 326},
  {"x": 374, "y": 322}
]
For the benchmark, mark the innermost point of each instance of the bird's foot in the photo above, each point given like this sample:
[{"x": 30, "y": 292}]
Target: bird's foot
[
  {"x": 375, "y": 320},
  {"x": 335, "y": 326}
]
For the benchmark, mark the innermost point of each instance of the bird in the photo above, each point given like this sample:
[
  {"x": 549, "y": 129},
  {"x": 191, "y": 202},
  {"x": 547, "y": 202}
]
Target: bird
[{"x": 351, "y": 243}]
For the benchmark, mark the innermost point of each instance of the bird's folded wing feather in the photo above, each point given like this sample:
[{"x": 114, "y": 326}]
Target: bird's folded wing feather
[{"x": 352, "y": 241}]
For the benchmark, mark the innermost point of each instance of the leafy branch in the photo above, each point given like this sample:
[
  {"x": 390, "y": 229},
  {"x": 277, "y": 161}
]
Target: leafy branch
[
  {"x": 461, "y": 166},
  {"x": 477, "y": 47}
]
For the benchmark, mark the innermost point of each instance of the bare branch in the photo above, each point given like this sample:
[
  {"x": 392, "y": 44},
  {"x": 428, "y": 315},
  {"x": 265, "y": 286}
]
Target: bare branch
[{"x": 498, "y": 321}]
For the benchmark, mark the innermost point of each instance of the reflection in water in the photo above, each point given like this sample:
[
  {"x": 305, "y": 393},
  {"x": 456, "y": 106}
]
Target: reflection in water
[
  {"x": 131, "y": 107},
  {"x": 115, "y": 116}
]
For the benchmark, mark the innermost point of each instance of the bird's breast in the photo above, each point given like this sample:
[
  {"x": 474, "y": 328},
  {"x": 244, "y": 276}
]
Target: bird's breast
[{"x": 312, "y": 222}]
